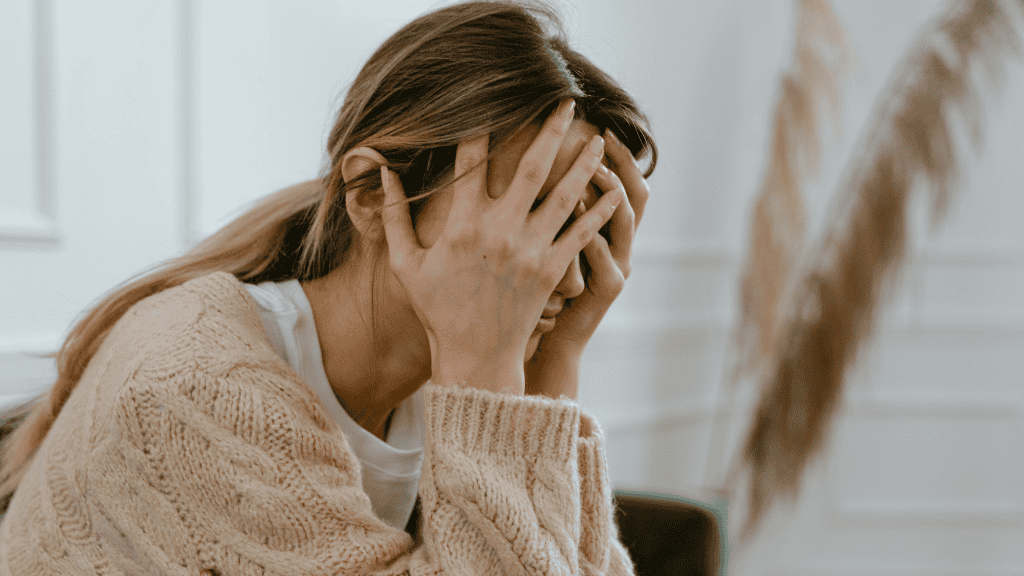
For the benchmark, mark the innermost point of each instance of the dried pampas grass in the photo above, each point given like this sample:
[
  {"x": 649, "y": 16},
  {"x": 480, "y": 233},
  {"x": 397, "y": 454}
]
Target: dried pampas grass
[
  {"x": 777, "y": 229},
  {"x": 910, "y": 140}
]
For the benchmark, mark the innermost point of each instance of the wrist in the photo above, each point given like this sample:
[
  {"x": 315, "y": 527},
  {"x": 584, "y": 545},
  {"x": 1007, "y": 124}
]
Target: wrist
[
  {"x": 497, "y": 376},
  {"x": 560, "y": 350},
  {"x": 553, "y": 374}
]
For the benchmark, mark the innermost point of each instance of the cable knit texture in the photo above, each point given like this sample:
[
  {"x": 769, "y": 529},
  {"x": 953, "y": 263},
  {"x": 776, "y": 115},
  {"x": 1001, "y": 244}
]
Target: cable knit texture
[{"x": 190, "y": 447}]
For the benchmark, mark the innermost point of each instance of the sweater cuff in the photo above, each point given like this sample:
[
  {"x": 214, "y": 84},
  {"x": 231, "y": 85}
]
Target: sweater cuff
[
  {"x": 597, "y": 508},
  {"x": 504, "y": 426}
]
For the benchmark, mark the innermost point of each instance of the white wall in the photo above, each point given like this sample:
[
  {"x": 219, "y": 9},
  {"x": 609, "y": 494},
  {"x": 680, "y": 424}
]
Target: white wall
[{"x": 129, "y": 130}]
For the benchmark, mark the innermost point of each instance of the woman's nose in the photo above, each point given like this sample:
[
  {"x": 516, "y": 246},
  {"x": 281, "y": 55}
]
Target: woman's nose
[{"x": 571, "y": 284}]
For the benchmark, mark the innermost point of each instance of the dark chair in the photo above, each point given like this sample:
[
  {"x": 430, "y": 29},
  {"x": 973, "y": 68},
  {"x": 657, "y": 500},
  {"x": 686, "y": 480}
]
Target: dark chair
[{"x": 667, "y": 535}]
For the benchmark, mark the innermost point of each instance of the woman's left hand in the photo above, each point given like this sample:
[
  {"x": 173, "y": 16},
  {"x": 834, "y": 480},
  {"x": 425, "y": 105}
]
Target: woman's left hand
[{"x": 554, "y": 369}]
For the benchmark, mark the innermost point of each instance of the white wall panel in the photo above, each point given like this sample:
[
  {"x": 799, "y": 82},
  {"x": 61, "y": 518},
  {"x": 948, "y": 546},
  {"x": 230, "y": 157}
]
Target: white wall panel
[
  {"x": 16, "y": 98},
  {"x": 676, "y": 282},
  {"x": 986, "y": 287},
  {"x": 104, "y": 134},
  {"x": 936, "y": 360},
  {"x": 232, "y": 52},
  {"x": 27, "y": 213},
  {"x": 922, "y": 469},
  {"x": 271, "y": 77},
  {"x": 908, "y": 468}
]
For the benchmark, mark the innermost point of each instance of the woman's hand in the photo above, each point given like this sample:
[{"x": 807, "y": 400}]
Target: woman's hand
[
  {"x": 479, "y": 289},
  {"x": 554, "y": 369}
]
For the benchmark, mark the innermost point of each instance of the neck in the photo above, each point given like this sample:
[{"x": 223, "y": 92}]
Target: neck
[{"x": 370, "y": 373}]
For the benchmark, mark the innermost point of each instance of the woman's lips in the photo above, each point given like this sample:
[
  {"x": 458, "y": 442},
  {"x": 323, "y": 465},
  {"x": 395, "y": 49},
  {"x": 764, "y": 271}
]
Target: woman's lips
[
  {"x": 551, "y": 311},
  {"x": 546, "y": 324}
]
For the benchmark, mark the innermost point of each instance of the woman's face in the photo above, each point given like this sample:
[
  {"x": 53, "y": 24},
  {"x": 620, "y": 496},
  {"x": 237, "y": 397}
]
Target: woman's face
[{"x": 500, "y": 172}]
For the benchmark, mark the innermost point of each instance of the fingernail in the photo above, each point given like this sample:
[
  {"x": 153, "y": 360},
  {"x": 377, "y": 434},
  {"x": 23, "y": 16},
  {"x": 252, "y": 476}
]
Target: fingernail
[
  {"x": 611, "y": 136},
  {"x": 580, "y": 208},
  {"x": 567, "y": 108},
  {"x": 602, "y": 169},
  {"x": 597, "y": 145}
]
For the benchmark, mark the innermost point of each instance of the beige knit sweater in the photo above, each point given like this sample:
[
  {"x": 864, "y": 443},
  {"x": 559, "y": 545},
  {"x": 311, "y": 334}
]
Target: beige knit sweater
[{"x": 190, "y": 447}]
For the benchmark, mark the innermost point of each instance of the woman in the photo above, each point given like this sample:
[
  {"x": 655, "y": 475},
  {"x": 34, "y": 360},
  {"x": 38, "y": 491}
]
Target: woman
[{"x": 274, "y": 401}]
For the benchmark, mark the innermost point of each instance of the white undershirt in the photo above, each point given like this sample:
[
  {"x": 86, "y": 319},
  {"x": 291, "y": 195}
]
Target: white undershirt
[{"x": 391, "y": 470}]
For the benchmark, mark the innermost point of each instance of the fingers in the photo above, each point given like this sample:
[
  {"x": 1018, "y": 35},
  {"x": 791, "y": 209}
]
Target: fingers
[
  {"x": 623, "y": 227},
  {"x": 398, "y": 230},
  {"x": 583, "y": 230},
  {"x": 470, "y": 182},
  {"x": 629, "y": 172},
  {"x": 608, "y": 276},
  {"x": 553, "y": 212},
  {"x": 536, "y": 163}
]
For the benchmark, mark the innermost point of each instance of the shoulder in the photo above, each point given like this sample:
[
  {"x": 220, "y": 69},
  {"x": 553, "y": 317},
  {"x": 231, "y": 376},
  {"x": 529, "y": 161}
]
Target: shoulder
[
  {"x": 206, "y": 330},
  {"x": 205, "y": 322},
  {"x": 218, "y": 297}
]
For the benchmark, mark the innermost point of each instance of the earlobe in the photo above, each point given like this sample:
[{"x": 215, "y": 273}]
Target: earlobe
[{"x": 363, "y": 205}]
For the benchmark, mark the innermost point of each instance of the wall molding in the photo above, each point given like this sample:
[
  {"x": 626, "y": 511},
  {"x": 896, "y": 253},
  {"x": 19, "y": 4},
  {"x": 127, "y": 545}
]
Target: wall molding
[
  {"x": 678, "y": 251},
  {"x": 848, "y": 569},
  {"x": 929, "y": 512},
  {"x": 40, "y": 225},
  {"x": 650, "y": 419},
  {"x": 13, "y": 342},
  {"x": 905, "y": 512},
  {"x": 931, "y": 405},
  {"x": 621, "y": 325},
  {"x": 27, "y": 227}
]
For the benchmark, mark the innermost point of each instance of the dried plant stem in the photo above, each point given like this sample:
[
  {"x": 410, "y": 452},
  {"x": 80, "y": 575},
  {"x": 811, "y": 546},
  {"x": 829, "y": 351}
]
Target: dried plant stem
[
  {"x": 910, "y": 139},
  {"x": 777, "y": 229}
]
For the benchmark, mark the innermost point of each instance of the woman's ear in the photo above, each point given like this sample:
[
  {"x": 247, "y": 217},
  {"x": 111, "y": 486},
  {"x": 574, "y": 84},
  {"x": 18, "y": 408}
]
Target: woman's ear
[{"x": 363, "y": 204}]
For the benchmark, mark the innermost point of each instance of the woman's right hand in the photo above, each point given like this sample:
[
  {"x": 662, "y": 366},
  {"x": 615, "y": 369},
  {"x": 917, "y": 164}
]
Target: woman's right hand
[{"x": 480, "y": 289}]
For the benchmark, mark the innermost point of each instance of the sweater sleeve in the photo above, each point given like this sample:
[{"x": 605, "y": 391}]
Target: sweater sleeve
[
  {"x": 233, "y": 475},
  {"x": 601, "y": 551}
]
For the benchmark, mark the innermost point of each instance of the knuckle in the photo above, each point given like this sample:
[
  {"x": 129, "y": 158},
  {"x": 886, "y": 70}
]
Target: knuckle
[
  {"x": 502, "y": 245},
  {"x": 645, "y": 189},
  {"x": 533, "y": 173},
  {"x": 584, "y": 236},
  {"x": 609, "y": 209},
  {"x": 556, "y": 129},
  {"x": 620, "y": 190},
  {"x": 467, "y": 162},
  {"x": 564, "y": 202},
  {"x": 464, "y": 238},
  {"x": 617, "y": 284},
  {"x": 629, "y": 214}
]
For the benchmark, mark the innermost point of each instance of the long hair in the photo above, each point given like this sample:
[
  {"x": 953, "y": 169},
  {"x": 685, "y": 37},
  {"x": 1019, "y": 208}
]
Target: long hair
[{"x": 449, "y": 76}]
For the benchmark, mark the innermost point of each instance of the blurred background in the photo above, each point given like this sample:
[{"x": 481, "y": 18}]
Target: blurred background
[{"x": 130, "y": 130}]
